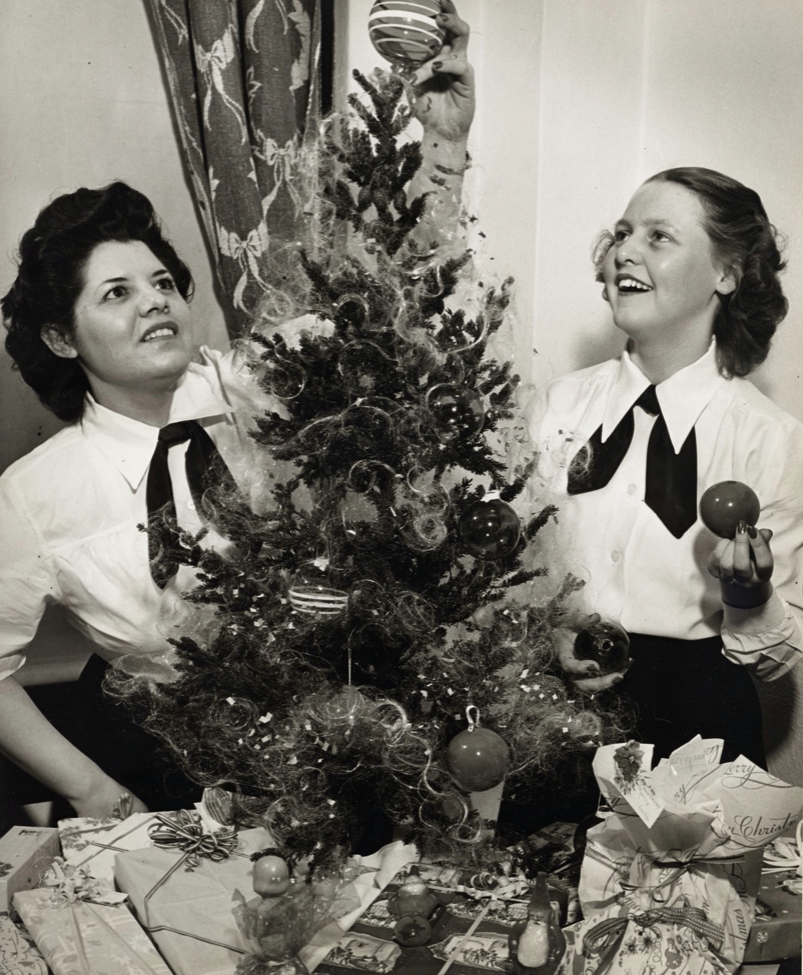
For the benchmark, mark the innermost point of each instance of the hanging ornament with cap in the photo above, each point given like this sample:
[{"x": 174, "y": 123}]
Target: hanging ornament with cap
[
  {"x": 727, "y": 503},
  {"x": 457, "y": 410},
  {"x": 478, "y": 758},
  {"x": 489, "y": 529},
  {"x": 405, "y": 32}
]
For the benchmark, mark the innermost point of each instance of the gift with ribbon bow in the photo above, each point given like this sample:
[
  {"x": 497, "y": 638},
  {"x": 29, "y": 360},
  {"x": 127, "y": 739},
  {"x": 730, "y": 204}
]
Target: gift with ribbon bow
[
  {"x": 182, "y": 887},
  {"x": 672, "y": 871},
  {"x": 82, "y": 927}
]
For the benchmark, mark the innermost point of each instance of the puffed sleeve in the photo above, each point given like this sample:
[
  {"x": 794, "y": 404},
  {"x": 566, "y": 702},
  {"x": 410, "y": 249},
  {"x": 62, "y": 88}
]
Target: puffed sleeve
[
  {"x": 769, "y": 638},
  {"x": 26, "y": 579}
]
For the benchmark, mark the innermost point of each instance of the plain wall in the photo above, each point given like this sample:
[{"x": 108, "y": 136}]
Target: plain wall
[{"x": 579, "y": 100}]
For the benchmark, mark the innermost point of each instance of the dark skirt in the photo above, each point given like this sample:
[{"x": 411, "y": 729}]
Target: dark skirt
[
  {"x": 104, "y": 730},
  {"x": 679, "y": 689}
]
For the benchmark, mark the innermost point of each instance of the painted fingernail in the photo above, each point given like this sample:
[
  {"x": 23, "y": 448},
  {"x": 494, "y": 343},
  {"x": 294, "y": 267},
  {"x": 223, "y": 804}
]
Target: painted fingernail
[
  {"x": 741, "y": 528},
  {"x": 437, "y": 65},
  {"x": 769, "y": 534},
  {"x": 442, "y": 17},
  {"x": 616, "y": 680},
  {"x": 751, "y": 531}
]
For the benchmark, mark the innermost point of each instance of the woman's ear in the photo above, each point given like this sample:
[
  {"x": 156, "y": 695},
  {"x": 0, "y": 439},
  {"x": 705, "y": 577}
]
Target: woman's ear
[
  {"x": 58, "y": 343},
  {"x": 727, "y": 282}
]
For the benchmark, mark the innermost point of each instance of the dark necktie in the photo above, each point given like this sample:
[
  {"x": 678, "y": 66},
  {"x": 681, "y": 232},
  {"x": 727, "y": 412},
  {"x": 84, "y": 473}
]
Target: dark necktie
[
  {"x": 202, "y": 460},
  {"x": 671, "y": 479}
]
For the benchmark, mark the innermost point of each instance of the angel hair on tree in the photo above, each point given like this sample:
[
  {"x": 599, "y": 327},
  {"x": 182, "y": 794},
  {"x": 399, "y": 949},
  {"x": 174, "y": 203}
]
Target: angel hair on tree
[{"x": 384, "y": 586}]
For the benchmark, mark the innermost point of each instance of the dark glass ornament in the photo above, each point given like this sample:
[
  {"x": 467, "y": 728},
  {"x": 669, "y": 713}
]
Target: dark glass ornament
[
  {"x": 606, "y": 643},
  {"x": 727, "y": 503},
  {"x": 458, "y": 410},
  {"x": 478, "y": 758},
  {"x": 489, "y": 529}
]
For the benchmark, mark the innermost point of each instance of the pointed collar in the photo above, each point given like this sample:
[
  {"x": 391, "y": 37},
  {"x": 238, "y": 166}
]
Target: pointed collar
[
  {"x": 683, "y": 396},
  {"x": 129, "y": 444}
]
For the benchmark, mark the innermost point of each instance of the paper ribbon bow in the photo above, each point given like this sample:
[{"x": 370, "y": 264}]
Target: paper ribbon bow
[
  {"x": 184, "y": 831},
  {"x": 72, "y": 884},
  {"x": 77, "y": 890},
  {"x": 607, "y": 935}
]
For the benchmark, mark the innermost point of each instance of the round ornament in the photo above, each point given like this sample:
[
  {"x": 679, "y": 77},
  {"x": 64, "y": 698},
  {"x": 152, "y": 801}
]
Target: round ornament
[
  {"x": 458, "y": 410},
  {"x": 405, "y": 32},
  {"x": 478, "y": 758},
  {"x": 727, "y": 503},
  {"x": 489, "y": 529},
  {"x": 606, "y": 643},
  {"x": 271, "y": 876},
  {"x": 311, "y": 590}
]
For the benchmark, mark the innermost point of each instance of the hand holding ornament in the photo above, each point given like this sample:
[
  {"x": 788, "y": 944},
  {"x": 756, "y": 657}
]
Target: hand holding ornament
[
  {"x": 444, "y": 101},
  {"x": 742, "y": 560},
  {"x": 587, "y": 674}
]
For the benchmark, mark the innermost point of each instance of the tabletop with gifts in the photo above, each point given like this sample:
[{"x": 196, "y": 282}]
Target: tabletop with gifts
[{"x": 693, "y": 867}]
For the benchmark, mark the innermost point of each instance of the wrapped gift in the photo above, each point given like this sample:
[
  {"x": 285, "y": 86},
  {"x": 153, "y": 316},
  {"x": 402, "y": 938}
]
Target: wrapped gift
[
  {"x": 93, "y": 844},
  {"x": 184, "y": 893},
  {"x": 470, "y": 930},
  {"x": 670, "y": 875},
  {"x": 18, "y": 953},
  {"x": 776, "y": 931},
  {"x": 26, "y": 852},
  {"x": 82, "y": 929}
]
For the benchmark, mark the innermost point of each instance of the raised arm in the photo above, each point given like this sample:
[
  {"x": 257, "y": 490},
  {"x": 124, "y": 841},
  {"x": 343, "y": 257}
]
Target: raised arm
[{"x": 444, "y": 104}]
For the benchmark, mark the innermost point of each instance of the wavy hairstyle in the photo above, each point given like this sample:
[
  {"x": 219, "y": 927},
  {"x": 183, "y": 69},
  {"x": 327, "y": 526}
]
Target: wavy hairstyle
[
  {"x": 50, "y": 276},
  {"x": 745, "y": 243}
]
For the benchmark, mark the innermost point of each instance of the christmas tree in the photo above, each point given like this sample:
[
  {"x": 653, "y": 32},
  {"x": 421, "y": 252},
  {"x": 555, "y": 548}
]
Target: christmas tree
[{"x": 383, "y": 596}]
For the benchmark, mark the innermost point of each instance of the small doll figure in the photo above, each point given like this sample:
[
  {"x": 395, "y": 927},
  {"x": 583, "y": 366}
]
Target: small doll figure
[{"x": 537, "y": 945}]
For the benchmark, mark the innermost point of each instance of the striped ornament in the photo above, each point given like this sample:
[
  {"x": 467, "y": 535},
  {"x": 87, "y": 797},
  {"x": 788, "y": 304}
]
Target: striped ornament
[
  {"x": 317, "y": 600},
  {"x": 405, "y": 31}
]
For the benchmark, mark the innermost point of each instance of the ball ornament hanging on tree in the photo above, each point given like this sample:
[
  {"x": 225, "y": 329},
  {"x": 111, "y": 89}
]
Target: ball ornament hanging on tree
[
  {"x": 405, "y": 32},
  {"x": 478, "y": 758},
  {"x": 727, "y": 503},
  {"x": 489, "y": 529},
  {"x": 604, "y": 642},
  {"x": 458, "y": 411},
  {"x": 312, "y": 591}
]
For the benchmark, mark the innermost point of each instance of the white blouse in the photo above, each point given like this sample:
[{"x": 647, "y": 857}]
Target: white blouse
[
  {"x": 636, "y": 572},
  {"x": 69, "y": 512}
]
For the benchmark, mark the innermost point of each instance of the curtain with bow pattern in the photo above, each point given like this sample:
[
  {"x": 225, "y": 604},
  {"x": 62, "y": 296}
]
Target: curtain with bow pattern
[{"x": 245, "y": 81}]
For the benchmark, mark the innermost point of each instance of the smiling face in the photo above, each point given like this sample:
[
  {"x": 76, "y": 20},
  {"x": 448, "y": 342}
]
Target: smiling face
[
  {"x": 132, "y": 328},
  {"x": 661, "y": 274}
]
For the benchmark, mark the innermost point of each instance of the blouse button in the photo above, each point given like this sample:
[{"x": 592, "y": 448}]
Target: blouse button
[
  {"x": 631, "y": 489},
  {"x": 615, "y": 556}
]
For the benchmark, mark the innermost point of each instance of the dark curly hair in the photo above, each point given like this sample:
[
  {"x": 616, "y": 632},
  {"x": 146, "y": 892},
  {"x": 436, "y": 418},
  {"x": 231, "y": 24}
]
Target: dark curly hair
[
  {"x": 745, "y": 243},
  {"x": 50, "y": 276}
]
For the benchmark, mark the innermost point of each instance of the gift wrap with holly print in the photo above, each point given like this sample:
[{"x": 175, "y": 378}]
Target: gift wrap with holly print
[
  {"x": 18, "y": 953},
  {"x": 26, "y": 853},
  {"x": 93, "y": 844},
  {"x": 776, "y": 931},
  {"x": 80, "y": 937}
]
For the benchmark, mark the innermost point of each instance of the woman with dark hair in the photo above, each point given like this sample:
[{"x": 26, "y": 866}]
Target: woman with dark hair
[
  {"x": 691, "y": 272},
  {"x": 98, "y": 324}
]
